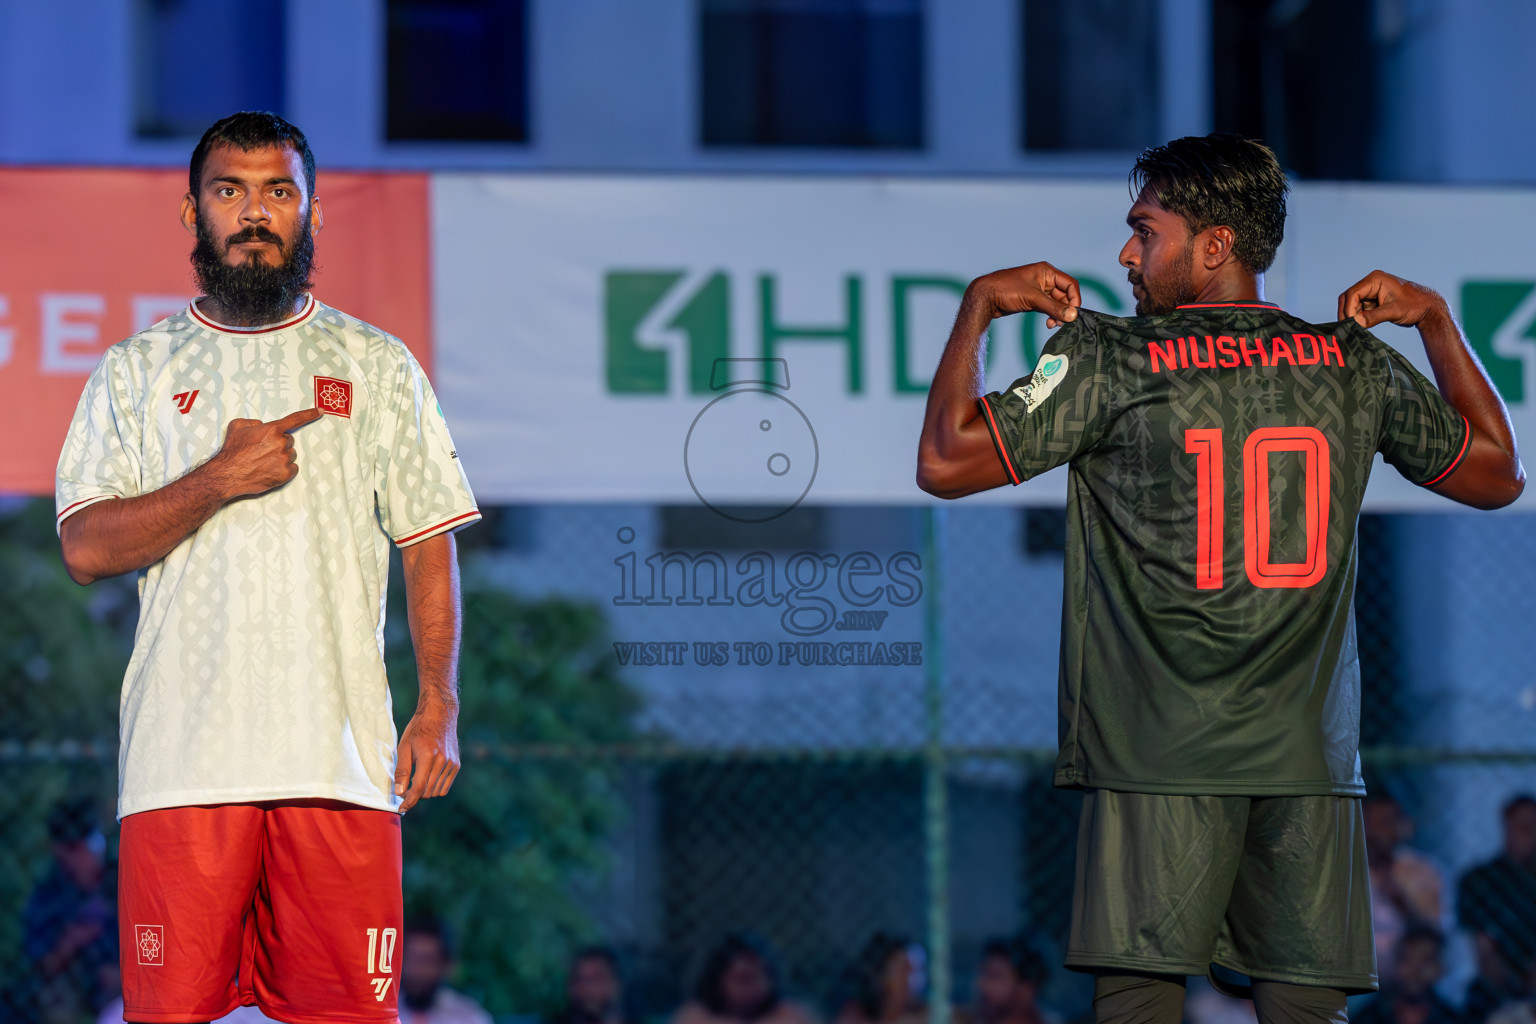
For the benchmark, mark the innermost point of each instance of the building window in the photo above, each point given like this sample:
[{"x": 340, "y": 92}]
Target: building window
[
  {"x": 1089, "y": 75},
  {"x": 831, "y": 73},
  {"x": 1320, "y": 123},
  {"x": 457, "y": 70},
  {"x": 202, "y": 60}
]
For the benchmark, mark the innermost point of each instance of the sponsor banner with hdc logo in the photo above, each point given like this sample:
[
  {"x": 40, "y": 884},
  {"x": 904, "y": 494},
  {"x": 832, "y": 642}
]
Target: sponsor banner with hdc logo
[
  {"x": 732, "y": 340},
  {"x": 742, "y": 341}
]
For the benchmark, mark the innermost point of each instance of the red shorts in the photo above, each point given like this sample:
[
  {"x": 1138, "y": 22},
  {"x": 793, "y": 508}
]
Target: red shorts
[{"x": 291, "y": 906}]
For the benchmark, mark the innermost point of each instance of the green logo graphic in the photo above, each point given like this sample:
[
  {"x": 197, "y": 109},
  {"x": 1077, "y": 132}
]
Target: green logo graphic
[
  {"x": 1052, "y": 366},
  {"x": 1500, "y": 321},
  {"x": 652, "y": 316}
]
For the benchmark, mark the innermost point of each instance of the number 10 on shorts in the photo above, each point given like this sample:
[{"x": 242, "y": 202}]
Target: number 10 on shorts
[{"x": 381, "y": 957}]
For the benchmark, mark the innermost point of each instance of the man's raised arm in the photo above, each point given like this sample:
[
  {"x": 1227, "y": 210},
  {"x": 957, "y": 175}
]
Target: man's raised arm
[
  {"x": 955, "y": 455},
  {"x": 126, "y": 534},
  {"x": 1490, "y": 475}
]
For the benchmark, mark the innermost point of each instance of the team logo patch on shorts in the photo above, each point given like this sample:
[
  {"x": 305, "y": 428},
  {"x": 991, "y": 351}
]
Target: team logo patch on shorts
[
  {"x": 333, "y": 396},
  {"x": 150, "y": 941}
]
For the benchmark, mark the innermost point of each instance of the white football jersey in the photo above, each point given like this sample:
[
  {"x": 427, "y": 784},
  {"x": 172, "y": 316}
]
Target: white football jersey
[{"x": 257, "y": 669}]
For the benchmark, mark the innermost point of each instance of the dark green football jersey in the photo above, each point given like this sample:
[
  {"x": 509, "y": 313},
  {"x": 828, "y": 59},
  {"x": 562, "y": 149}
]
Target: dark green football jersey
[{"x": 1219, "y": 456}]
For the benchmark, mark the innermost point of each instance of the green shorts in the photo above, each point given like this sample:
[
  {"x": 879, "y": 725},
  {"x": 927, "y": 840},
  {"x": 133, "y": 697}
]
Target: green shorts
[{"x": 1272, "y": 887}]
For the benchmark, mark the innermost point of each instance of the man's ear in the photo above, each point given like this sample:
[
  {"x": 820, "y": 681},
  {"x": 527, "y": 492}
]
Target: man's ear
[
  {"x": 189, "y": 214},
  {"x": 316, "y": 217},
  {"x": 1216, "y": 245}
]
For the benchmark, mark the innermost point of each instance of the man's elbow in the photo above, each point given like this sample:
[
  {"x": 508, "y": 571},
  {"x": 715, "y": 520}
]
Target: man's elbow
[
  {"x": 78, "y": 572},
  {"x": 76, "y": 556},
  {"x": 937, "y": 477}
]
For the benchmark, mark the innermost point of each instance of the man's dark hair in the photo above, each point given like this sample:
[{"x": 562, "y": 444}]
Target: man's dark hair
[
  {"x": 711, "y": 988},
  {"x": 598, "y": 951},
  {"x": 1516, "y": 802},
  {"x": 431, "y": 926},
  {"x": 1220, "y": 179},
  {"x": 1028, "y": 965},
  {"x": 72, "y": 819},
  {"x": 248, "y": 130},
  {"x": 1423, "y": 933}
]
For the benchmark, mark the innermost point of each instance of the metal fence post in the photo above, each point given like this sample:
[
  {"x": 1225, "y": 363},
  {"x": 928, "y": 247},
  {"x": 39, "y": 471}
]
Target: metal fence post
[{"x": 935, "y": 793}]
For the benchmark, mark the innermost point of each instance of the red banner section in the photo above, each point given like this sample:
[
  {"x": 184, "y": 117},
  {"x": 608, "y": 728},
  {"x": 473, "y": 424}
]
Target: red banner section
[{"x": 88, "y": 257}]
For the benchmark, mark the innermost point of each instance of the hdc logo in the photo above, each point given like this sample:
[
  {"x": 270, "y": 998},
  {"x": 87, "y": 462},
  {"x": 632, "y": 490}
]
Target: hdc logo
[
  {"x": 1500, "y": 320},
  {"x": 646, "y": 313}
]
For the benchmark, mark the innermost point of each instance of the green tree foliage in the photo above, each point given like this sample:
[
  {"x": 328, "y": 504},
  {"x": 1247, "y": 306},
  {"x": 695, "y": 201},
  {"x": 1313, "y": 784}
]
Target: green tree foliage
[
  {"x": 502, "y": 856},
  {"x": 63, "y": 649}
]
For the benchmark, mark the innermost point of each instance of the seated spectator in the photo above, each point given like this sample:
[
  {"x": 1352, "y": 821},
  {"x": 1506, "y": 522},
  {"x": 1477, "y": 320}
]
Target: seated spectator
[
  {"x": 1520, "y": 1011},
  {"x": 1406, "y": 887},
  {"x": 1496, "y": 902},
  {"x": 740, "y": 984},
  {"x": 1408, "y": 994},
  {"x": 1008, "y": 983},
  {"x": 594, "y": 989},
  {"x": 69, "y": 923},
  {"x": 426, "y": 961},
  {"x": 888, "y": 983}
]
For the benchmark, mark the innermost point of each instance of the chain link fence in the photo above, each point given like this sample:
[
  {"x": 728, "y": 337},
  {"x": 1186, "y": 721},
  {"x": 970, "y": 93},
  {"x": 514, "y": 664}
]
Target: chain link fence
[{"x": 831, "y": 731}]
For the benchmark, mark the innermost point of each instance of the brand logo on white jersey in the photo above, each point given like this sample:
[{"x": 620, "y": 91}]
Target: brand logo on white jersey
[
  {"x": 184, "y": 400},
  {"x": 149, "y": 939},
  {"x": 334, "y": 396}
]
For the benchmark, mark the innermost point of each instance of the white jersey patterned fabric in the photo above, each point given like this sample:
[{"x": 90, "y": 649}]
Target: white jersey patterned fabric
[{"x": 257, "y": 670}]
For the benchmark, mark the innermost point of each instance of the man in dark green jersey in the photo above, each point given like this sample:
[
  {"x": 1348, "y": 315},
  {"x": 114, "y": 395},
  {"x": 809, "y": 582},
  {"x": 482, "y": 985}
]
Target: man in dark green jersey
[{"x": 1219, "y": 451}]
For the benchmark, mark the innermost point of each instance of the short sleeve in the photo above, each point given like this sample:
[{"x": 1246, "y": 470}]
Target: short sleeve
[
  {"x": 420, "y": 489},
  {"x": 1422, "y": 436},
  {"x": 1059, "y": 411},
  {"x": 101, "y": 458}
]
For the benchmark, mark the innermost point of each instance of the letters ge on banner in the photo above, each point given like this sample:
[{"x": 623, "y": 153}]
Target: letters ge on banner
[{"x": 650, "y": 316}]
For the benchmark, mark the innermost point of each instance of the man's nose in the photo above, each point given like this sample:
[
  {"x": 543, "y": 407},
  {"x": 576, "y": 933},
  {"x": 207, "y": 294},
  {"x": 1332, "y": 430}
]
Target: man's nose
[
  {"x": 254, "y": 211},
  {"x": 1127, "y": 255}
]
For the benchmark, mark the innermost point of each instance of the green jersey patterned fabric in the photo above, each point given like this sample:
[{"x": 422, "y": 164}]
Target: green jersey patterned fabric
[{"x": 1219, "y": 456}]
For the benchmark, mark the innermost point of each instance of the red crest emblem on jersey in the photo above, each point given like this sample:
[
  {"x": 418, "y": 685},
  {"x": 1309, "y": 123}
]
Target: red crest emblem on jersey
[
  {"x": 333, "y": 396},
  {"x": 150, "y": 942}
]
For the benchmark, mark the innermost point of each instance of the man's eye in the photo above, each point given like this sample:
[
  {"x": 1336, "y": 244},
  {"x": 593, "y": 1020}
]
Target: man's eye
[
  {"x": 280, "y": 193},
  {"x": 226, "y": 192}
]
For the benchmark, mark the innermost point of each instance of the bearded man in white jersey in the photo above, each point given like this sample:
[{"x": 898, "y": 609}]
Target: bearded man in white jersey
[{"x": 252, "y": 458}]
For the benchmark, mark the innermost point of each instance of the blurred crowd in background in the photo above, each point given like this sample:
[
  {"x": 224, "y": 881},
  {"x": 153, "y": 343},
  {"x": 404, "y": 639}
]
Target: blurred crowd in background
[{"x": 71, "y": 944}]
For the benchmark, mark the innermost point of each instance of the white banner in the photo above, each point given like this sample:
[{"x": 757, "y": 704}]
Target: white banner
[{"x": 761, "y": 342}]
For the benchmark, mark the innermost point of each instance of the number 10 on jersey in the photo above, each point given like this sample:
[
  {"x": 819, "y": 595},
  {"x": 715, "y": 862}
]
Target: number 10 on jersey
[{"x": 1205, "y": 444}]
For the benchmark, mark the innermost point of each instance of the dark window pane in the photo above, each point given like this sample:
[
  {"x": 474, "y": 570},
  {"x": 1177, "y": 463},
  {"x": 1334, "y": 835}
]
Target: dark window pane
[
  {"x": 1307, "y": 84},
  {"x": 201, "y": 60},
  {"x": 1090, "y": 75},
  {"x": 812, "y": 73},
  {"x": 457, "y": 69}
]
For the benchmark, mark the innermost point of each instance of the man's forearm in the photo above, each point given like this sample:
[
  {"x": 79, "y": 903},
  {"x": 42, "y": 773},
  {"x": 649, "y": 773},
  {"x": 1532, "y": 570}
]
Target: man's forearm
[
  {"x": 432, "y": 598},
  {"x": 961, "y": 376},
  {"x": 1462, "y": 380},
  {"x": 127, "y": 534}
]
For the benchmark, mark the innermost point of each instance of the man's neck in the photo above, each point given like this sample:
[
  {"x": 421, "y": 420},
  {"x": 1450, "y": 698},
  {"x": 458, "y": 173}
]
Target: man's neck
[
  {"x": 211, "y": 308},
  {"x": 1233, "y": 287}
]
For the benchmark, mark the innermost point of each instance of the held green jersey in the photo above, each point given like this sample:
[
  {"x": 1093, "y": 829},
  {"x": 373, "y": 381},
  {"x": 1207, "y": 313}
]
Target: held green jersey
[{"x": 1219, "y": 456}]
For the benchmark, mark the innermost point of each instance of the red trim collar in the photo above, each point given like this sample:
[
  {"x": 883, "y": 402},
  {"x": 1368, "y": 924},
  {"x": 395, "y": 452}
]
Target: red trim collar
[
  {"x": 1228, "y": 305},
  {"x": 309, "y": 308}
]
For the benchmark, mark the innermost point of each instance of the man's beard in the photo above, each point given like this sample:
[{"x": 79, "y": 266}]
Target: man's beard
[
  {"x": 1154, "y": 304},
  {"x": 253, "y": 292}
]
